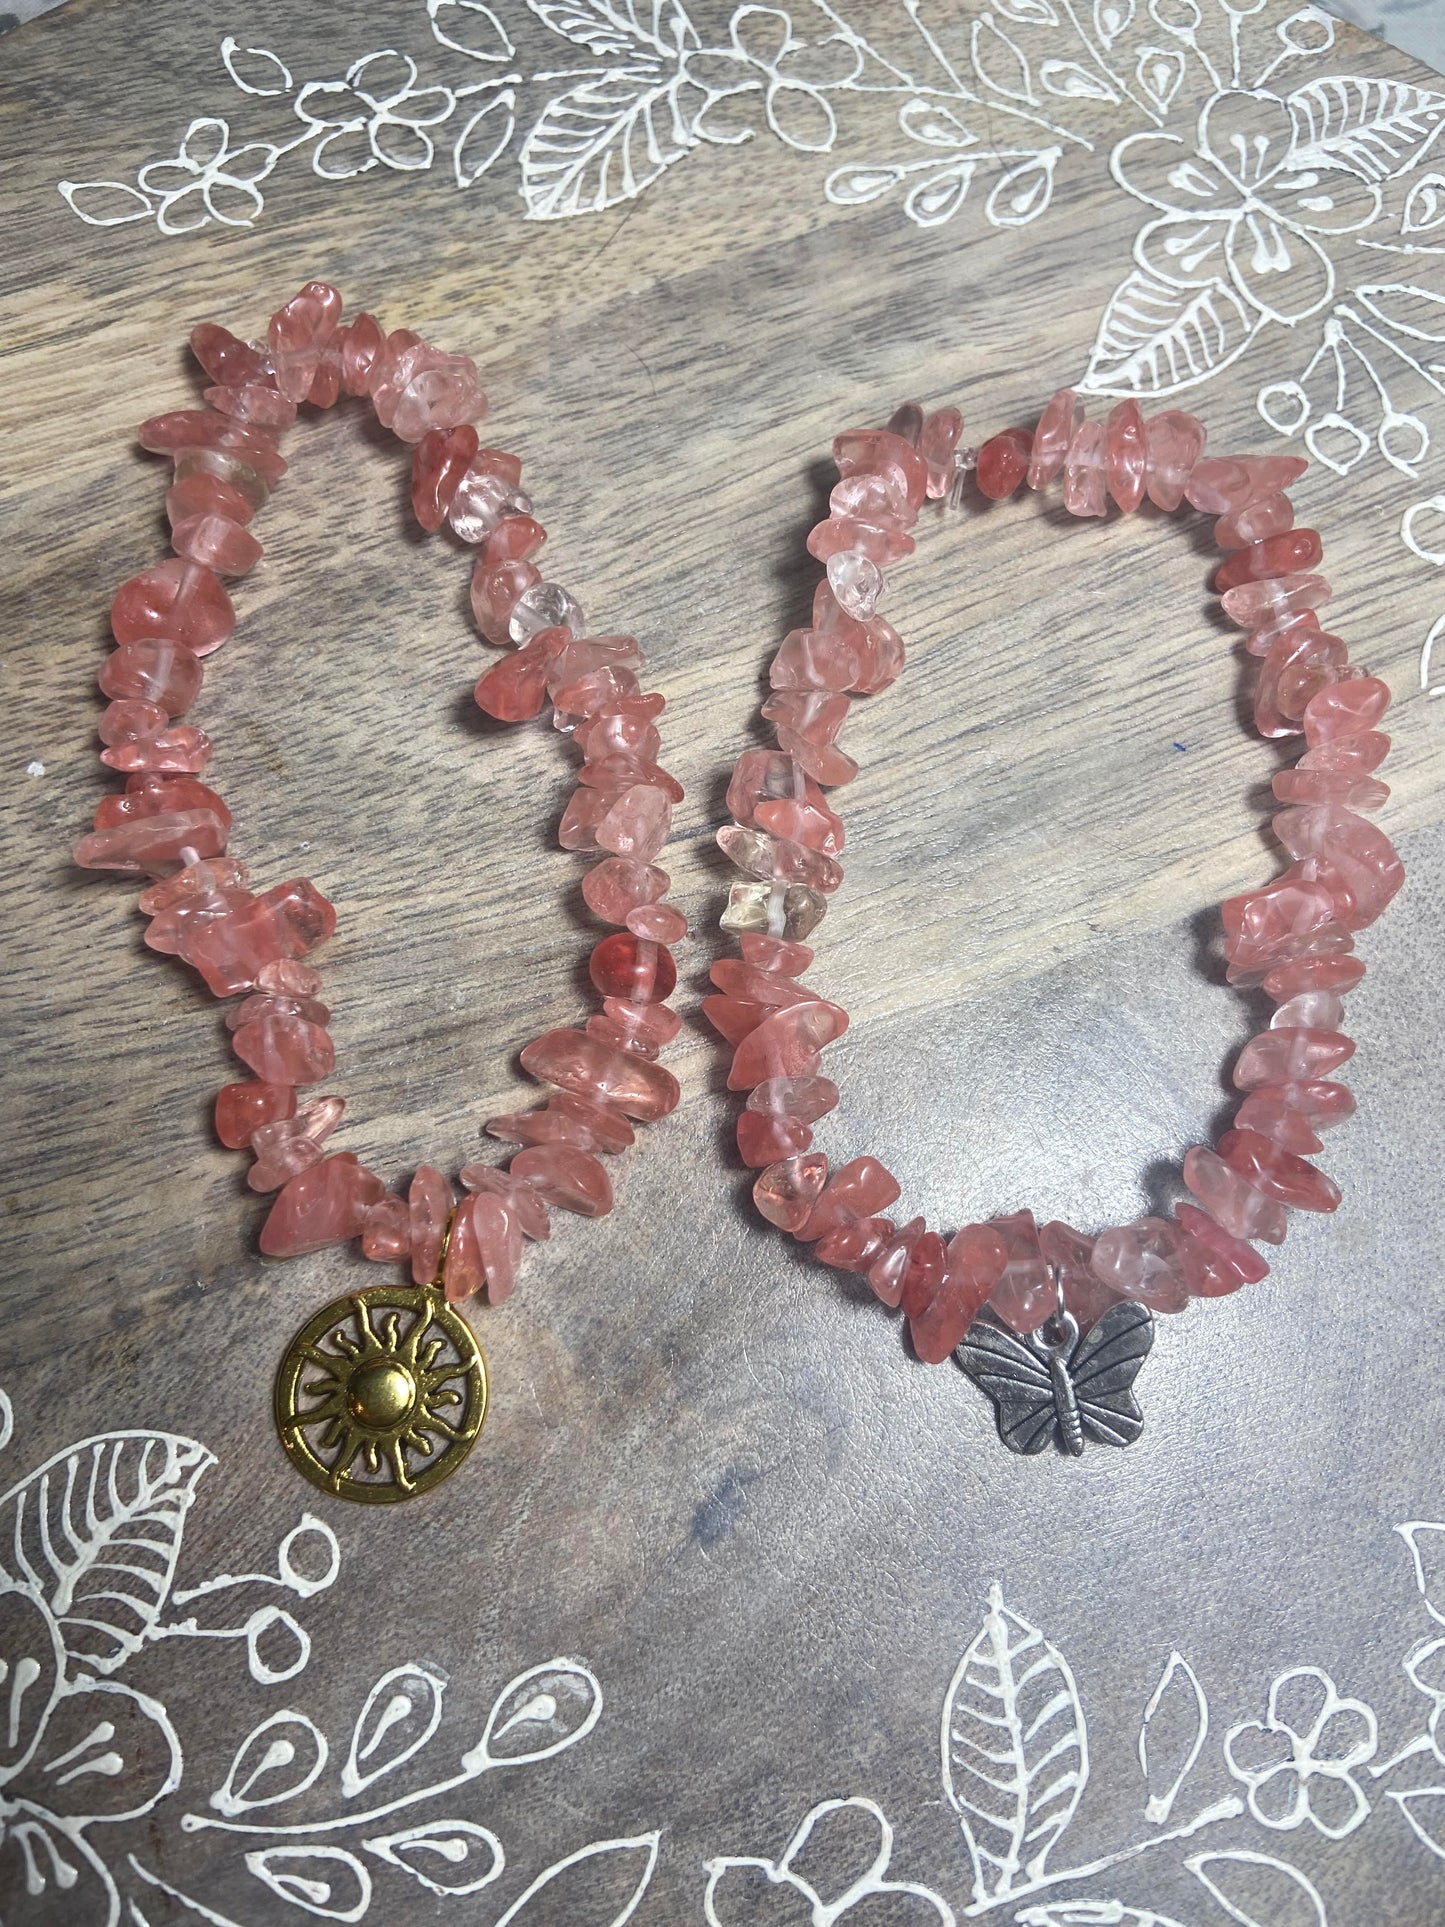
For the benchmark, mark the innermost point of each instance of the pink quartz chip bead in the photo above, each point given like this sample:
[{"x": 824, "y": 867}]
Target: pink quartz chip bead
[
  {"x": 889, "y": 1269},
  {"x": 1275, "y": 922},
  {"x": 243, "y": 1108},
  {"x": 298, "y": 332},
  {"x": 1344, "y": 710},
  {"x": 768, "y": 1140},
  {"x": 324, "y": 1205},
  {"x": 618, "y": 885},
  {"x": 1003, "y": 462},
  {"x": 216, "y": 542},
  {"x": 1025, "y": 1296},
  {"x": 223, "y": 355},
  {"x": 285, "y": 1050},
  {"x": 1354, "y": 859},
  {"x": 936, "y": 444},
  {"x": 386, "y": 1230},
  {"x": 785, "y": 1193},
  {"x": 1215, "y": 1262},
  {"x": 940, "y": 1310},
  {"x": 442, "y": 458},
  {"x": 1053, "y": 437},
  {"x": 525, "y": 1204},
  {"x": 1291, "y": 1056},
  {"x": 361, "y": 345},
  {"x": 153, "y": 670},
  {"x": 862, "y": 1188},
  {"x": 785, "y": 1044},
  {"x": 153, "y": 845},
  {"x": 1086, "y": 1296},
  {"x": 429, "y": 1205},
  {"x": 1286, "y": 553},
  {"x": 1258, "y": 605},
  {"x": 204, "y": 494},
  {"x": 1126, "y": 454},
  {"x": 1276, "y": 1172},
  {"x": 495, "y": 591},
  {"x": 1085, "y": 472},
  {"x": 1260, "y": 518},
  {"x": 1221, "y": 484},
  {"x": 1230, "y": 1199},
  {"x": 566, "y": 1177},
  {"x": 1143, "y": 1261},
  {"x": 176, "y": 600},
  {"x": 584, "y": 1065},
  {"x": 873, "y": 450},
  {"x": 657, "y": 922},
  {"x": 1173, "y": 443}
]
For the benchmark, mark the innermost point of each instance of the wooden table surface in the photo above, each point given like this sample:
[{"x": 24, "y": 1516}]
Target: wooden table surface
[{"x": 724, "y": 1543}]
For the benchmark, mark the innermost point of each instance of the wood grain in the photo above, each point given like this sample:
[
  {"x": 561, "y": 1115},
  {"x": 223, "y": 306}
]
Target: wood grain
[{"x": 710, "y": 1467}]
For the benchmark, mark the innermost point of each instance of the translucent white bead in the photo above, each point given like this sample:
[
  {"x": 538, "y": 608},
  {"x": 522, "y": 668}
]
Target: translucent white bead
[
  {"x": 856, "y": 583},
  {"x": 481, "y": 500},
  {"x": 546, "y": 605}
]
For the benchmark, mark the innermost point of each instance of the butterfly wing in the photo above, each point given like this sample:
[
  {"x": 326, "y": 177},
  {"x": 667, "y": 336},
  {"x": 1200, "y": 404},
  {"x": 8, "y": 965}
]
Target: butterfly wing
[
  {"x": 1104, "y": 1368},
  {"x": 1016, "y": 1379}
]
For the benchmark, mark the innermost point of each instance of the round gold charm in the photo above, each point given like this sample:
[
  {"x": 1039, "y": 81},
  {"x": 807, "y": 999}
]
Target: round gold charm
[{"x": 382, "y": 1394}]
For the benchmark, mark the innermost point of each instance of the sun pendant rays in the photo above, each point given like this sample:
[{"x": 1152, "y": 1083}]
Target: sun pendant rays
[{"x": 381, "y": 1395}]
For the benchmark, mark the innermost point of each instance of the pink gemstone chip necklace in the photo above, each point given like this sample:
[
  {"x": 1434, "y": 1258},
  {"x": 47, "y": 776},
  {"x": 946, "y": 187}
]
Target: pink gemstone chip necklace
[
  {"x": 385, "y": 1390},
  {"x": 1054, "y": 1325}
]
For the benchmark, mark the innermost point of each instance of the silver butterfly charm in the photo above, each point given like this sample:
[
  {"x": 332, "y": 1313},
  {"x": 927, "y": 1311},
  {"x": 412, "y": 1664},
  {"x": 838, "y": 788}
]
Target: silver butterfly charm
[{"x": 1053, "y": 1387}]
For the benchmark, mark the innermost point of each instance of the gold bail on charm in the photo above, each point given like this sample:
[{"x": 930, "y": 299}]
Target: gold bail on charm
[{"x": 382, "y": 1394}]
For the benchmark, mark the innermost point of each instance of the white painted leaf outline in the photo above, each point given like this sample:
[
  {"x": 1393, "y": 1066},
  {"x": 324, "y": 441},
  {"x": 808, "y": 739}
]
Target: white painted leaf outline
[
  {"x": 602, "y": 142},
  {"x": 434, "y": 8},
  {"x": 141, "y": 207},
  {"x": 642, "y": 1842},
  {"x": 231, "y": 48},
  {"x": 112, "y": 1509},
  {"x": 1247, "y": 1857},
  {"x": 310, "y": 1893},
  {"x": 1147, "y": 62},
  {"x": 995, "y": 1652},
  {"x": 432, "y": 1835},
  {"x": 505, "y": 1718},
  {"x": 466, "y": 168},
  {"x": 1069, "y": 80},
  {"x": 372, "y": 1727},
  {"x": 232, "y": 1795},
  {"x": 1376, "y": 128},
  {"x": 1404, "y": 1801},
  {"x": 1410, "y": 1532},
  {"x": 1016, "y": 82},
  {"x": 1157, "y": 338},
  {"x": 1160, "y": 1806}
]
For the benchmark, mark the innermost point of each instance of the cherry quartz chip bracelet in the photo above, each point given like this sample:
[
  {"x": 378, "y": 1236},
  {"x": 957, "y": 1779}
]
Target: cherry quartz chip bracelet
[
  {"x": 172, "y": 827},
  {"x": 1294, "y": 935}
]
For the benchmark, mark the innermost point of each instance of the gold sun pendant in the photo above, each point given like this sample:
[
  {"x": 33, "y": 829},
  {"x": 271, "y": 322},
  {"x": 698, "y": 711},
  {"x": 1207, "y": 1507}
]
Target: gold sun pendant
[{"x": 382, "y": 1394}]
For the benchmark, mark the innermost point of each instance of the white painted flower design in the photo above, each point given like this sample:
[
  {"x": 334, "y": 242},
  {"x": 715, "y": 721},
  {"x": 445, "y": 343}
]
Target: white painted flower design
[
  {"x": 1298, "y": 1763},
  {"x": 74, "y": 1751},
  {"x": 208, "y": 179},
  {"x": 766, "y": 56},
  {"x": 377, "y": 113},
  {"x": 1243, "y": 205},
  {"x": 809, "y": 1882}
]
